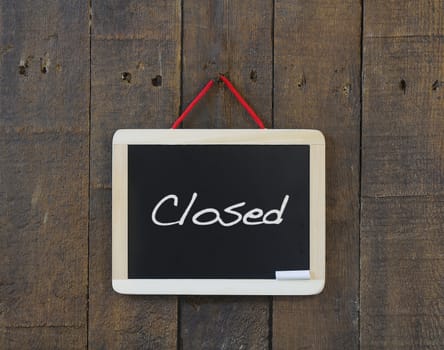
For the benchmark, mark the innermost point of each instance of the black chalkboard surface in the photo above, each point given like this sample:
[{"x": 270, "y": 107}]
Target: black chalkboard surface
[
  {"x": 218, "y": 243},
  {"x": 218, "y": 212}
]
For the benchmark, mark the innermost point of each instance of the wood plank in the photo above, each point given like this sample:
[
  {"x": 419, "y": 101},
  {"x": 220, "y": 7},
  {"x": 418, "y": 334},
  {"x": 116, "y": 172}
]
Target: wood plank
[
  {"x": 226, "y": 37},
  {"x": 402, "y": 273},
  {"x": 402, "y": 176},
  {"x": 44, "y": 103},
  {"x": 135, "y": 84},
  {"x": 224, "y": 322},
  {"x": 403, "y": 121},
  {"x": 36, "y": 337},
  {"x": 317, "y": 85}
]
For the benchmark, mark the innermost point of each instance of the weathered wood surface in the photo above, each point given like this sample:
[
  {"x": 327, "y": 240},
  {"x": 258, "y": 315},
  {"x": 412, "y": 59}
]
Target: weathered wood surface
[
  {"x": 224, "y": 323},
  {"x": 132, "y": 44},
  {"x": 317, "y": 85},
  {"x": 44, "y": 83},
  {"x": 226, "y": 37},
  {"x": 402, "y": 244},
  {"x": 299, "y": 65}
]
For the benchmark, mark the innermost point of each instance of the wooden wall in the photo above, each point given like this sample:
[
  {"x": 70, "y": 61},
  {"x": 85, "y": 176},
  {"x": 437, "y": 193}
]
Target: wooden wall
[{"x": 369, "y": 74}]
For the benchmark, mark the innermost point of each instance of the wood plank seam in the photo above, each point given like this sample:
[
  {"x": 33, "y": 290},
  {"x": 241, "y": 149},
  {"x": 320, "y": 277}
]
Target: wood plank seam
[
  {"x": 89, "y": 166},
  {"x": 361, "y": 83}
]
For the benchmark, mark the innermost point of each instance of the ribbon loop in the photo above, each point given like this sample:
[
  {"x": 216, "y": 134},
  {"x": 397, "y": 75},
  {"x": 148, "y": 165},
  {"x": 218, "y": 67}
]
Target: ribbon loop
[{"x": 233, "y": 90}]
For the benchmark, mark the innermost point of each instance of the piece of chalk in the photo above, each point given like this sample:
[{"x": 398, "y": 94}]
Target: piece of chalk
[{"x": 293, "y": 275}]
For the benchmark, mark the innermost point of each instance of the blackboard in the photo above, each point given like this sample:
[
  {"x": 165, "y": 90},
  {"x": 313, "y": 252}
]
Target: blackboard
[
  {"x": 198, "y": 207},
  {"x": 221, "y": 176}
]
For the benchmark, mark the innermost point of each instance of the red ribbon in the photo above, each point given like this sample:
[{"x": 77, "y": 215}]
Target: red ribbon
[{"x": 236, "y": 94}]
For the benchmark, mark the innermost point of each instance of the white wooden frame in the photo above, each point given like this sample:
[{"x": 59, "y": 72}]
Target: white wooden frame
[{"x": 120, "y": 281}]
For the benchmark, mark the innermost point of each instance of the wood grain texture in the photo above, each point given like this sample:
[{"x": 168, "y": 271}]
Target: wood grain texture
[
  {"x": 403, "y": 117},
  {"x": 317, "y": 85},
  {"x": 133, "y": 42},
  {"x": 234, "y": 38},
  {"x": 224, "y": 323},
  {"x": 44, "y": 174},
  {"x": 402, "y": 273},
  {"x": 402, "y": 305},
  {"x": 137, "y": 82}
]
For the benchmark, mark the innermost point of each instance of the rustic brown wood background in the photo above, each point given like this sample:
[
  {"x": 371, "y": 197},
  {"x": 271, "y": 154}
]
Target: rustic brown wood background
[{"x": 369, "y": 74}]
